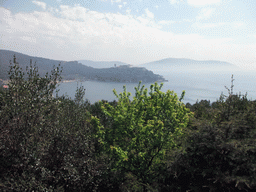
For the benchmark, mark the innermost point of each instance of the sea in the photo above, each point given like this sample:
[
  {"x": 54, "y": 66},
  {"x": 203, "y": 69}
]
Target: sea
[{"x": 197, "y": 84}]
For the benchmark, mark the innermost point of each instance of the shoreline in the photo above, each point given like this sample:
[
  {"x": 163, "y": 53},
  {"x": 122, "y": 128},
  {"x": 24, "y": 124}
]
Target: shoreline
[
  {"x": 76, "y": 80},
  {"x": 5, "y": 82}
]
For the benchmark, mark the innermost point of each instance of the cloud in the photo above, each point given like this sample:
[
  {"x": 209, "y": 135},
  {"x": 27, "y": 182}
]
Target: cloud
[
  {"x": 116, "y": 1},
  {"x": 232, "y": 25},
  {"x": 128, "y": 11},
  {"x": 149, "y": 14},
  {"x": 205, "y": 13},
  {"x": 238, "y": 24},
  {"x": 203, "y": 2},
  {"x": 208, "y": 25},
  {"x": 30, "y": 39},
  {"x": 74, "y": 13},
  {"x": 79, "y": 33},
  {"x": 40, "y": 4},
  {"x": 174, "y": 1},
  {"x": 165, "y": 22}
]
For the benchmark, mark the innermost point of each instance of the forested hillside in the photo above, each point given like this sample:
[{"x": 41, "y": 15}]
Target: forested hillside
[
  {"x": 72, "y": 70},
  {"x": 151, "y": 142}
]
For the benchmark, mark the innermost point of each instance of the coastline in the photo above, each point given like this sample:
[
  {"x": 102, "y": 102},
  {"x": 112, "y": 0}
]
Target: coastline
[
  {"x": 95, "y": 80},
  {"x": 5, "y": 82}
]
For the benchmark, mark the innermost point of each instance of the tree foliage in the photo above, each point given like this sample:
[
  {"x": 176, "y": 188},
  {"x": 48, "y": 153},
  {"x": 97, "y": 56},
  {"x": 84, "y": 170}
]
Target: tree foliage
[
  {"x": 150, "y": 142},
  {"x": 220, "y": 153},
  {"x": 143, "y": 130},
  {"x": 46, "y": 142}
]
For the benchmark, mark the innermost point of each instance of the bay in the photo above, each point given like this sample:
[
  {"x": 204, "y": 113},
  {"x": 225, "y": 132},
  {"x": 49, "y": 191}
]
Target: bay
[{"x": 198, "y": 85}]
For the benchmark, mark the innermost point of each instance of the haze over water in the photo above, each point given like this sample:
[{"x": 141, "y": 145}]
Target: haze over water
[{"x": 198, "y": 85}]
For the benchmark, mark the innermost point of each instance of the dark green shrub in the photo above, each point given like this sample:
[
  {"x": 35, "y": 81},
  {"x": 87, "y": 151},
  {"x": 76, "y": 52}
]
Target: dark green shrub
[
  {"x": 46, "y": 142},
  {"x": 220, "y": 152}
]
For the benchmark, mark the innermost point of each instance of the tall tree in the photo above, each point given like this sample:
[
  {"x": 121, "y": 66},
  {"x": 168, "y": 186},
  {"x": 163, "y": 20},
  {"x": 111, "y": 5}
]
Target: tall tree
[{"x": 142, "y": 131}]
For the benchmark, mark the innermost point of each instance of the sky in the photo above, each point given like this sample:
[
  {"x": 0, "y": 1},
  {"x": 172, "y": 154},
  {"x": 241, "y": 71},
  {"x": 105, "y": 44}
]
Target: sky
[{"x": 131, "y": 31}]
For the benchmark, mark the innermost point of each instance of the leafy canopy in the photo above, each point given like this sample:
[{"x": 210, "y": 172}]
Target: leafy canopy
[{"x": 143, "y": 130}]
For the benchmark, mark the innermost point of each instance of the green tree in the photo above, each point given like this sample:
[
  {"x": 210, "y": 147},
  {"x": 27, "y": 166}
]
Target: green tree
[{"x": 143, "y": 131}]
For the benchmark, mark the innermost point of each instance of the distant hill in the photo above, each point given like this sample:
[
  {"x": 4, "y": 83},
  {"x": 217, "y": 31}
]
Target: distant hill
[
  {"x": 74, "y": 70},
  {"x": 44, "y": 65},
  {"x": 101, "y": 64},
  {"x": 188, "y": 64}
]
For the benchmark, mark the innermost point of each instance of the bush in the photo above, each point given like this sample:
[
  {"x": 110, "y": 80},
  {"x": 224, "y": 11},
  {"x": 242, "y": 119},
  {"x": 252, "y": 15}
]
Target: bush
[
  {"x": 220, "y": 152},
  {"x": 46, "y": 142}
]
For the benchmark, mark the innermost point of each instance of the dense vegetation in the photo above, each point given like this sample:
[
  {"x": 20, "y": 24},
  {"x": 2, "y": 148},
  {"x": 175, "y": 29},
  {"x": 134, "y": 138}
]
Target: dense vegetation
[{"x": 151, "y": 142}]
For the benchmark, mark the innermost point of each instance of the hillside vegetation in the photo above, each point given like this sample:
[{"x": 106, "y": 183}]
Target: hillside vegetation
[
  {"x": 72, "y": 70},
  {"x": 151, "y": 142}
]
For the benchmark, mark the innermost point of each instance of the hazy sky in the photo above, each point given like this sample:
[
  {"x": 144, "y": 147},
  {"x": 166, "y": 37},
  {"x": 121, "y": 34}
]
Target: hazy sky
[{"x": 131, "y": 31}]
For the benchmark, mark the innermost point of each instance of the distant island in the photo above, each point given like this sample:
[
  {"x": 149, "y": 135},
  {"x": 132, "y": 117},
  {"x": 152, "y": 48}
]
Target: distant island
[
  {"x": 183, "y": 64},
  {"x": 73, "y": 70}
]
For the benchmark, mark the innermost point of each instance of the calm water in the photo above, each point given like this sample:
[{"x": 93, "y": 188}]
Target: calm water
[{"x": 198, "y": 85}]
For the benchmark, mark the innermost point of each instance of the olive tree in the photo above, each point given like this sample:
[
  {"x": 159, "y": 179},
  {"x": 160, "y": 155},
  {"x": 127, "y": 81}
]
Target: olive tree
[{"x": 45, "y": 141}]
